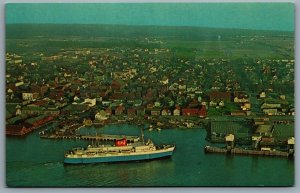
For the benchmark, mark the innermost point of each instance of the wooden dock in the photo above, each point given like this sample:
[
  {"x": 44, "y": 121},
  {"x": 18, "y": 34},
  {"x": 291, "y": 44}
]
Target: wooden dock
[
  {"x": 102, "y": 137},
  {"x": 110, "y": 138},
  {"x": 257, "y": 152},
  {"x": 240, "y": 151}
]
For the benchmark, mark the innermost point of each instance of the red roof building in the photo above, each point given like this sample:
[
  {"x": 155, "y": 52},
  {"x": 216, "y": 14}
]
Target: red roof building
[
  {"x": 17, "y": 129},
  {"x": 218, "y": 96},
  {"x": 119, "y": 110},
  {"x": 190, "y": 112},
  {"x": 202, "y": 112},
  {"x": 131, "y": 112}
]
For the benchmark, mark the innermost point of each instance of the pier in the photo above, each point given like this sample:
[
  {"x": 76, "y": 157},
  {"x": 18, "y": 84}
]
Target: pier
[
  {"x": 102, "y": 137},
  {"x": 261, "y": 152},
  {"x": 240, "y": 151},
  {"x": 105, "y": 137}
]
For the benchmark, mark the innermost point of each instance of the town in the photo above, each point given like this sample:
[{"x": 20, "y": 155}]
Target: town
[{"x": 154, "y": 82}]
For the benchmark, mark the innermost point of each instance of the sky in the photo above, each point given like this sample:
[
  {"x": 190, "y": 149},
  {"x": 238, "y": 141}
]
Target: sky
[{"x": 258, "y": 16}]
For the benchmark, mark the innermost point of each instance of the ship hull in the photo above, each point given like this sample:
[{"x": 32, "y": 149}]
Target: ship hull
[{"x": 120, "y": 158}]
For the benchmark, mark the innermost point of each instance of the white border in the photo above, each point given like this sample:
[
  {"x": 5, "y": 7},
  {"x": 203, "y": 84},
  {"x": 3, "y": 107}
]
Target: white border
[{"x": 144, "y": 190}]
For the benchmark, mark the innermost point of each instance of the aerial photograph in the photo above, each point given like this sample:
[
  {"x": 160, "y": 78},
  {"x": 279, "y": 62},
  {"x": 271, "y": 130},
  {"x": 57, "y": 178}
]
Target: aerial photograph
[{"x": 149, "y": 94}]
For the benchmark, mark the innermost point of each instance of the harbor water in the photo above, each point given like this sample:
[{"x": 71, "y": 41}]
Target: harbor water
[{"x": 31, "y": 161}]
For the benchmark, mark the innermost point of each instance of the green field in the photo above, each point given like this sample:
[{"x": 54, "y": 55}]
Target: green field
[{"x": 187, "y": 42}]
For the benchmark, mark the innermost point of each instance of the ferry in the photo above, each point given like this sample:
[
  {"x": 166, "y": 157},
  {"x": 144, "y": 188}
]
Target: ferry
[{"x": 119, "y": 152}]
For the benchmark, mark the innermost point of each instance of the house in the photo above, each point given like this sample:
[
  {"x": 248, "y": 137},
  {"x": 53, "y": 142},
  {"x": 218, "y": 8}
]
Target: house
[
  {"x": 165, "y": 112},
  {"x": 90, "y": 102},
  {"x": 173, "y": 87},
  {"x": 155, "y": 111},
  {"x": 282, "y": 97},
  {"x": 106, "y": 103},
  {"x": 270, "y": 105},
  {"x": 213, "y": 104},
  {"x": 119, "y": 110},
  {"x": 108, "y": 111},
  {"x": 238, "y": 113},
  {"x": 202, "y": 112},
  {"x": 164, "y": 80},
  {"x": 130, "y": 97},
  {"x": 271, "y": 108},
  {"x": 76, "y": 98},
  {"x": 219, "y": 96},
  {"x": 157, "y": 104},
  {"x": 192, "y": 88},
  {"x": 190, "y": 112},
  {"x": 246, "y": 106},
  {"x": 182, "y": 88},
  {"x": 270, "y": 111},
  {"x": 31, "y": 110},
  {"x": 30, "y": 96},
  {"x": 137, "y": 102},
  {"x": 162, "y": 91},
  {"x": 240, "y": 97},
  {"x": 171, "y": 103},
  {"x": 149, "y": 95},
  {"x": 260, "y": 120},
  {"x": 17, "y": 129},
  {"x": 150, "y": 106},
  {"x": 191, "y": 95},
  {"x": 42, "y": 90},
  {"x": 51, "y": 110},
  {"x": 40, "y": 103},
  {"x": 205, "y": 104},
  {"x": 193, "y": 103},
  {"x": 21, "y": 83},
  {"x": 221, "y": 104},
  {"x": 56, "y": 94},
  {"x": 262, "y": 95},
  {"x": 101, "y": 116},
  {"x": 74, "y": 109},
  {"x": 117, "y": 97},
  {"x": 87, "y": 121},
  {"x": 267, "y": 142},
  {"x": 18, "y": 110},
  {"x": 131, "y": 112},
  {"x": 176, "y": 111},
  {"x": 116, "y": 85}
]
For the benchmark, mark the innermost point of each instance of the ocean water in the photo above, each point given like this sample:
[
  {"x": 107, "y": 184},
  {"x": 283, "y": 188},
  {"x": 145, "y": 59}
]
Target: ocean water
[{"x": 35, "y": 162}]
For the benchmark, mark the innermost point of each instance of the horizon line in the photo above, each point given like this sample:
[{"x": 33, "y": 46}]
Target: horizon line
[{"x": 142, "y": 25}]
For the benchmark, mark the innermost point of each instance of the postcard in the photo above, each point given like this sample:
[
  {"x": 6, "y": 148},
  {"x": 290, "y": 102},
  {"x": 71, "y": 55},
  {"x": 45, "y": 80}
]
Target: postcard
[{"x": 150, "y": 94}]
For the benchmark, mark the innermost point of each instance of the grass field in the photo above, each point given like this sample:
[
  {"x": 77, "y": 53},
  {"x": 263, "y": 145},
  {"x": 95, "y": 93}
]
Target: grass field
[{"x": 189, "y": 42}]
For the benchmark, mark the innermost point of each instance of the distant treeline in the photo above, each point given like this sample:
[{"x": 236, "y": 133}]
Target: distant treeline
[{"x": 89, "y": 31}]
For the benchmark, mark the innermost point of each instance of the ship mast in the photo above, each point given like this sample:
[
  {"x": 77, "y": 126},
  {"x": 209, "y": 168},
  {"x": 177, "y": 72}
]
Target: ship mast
[{"x": 142, "y": 135}]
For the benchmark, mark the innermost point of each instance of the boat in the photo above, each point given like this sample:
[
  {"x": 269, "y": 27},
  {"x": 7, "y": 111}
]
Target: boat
[{"x": 121, "y": 151}]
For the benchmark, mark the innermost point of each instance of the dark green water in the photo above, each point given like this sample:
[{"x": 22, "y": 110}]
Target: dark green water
[{"x": 32, "y": 161}]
